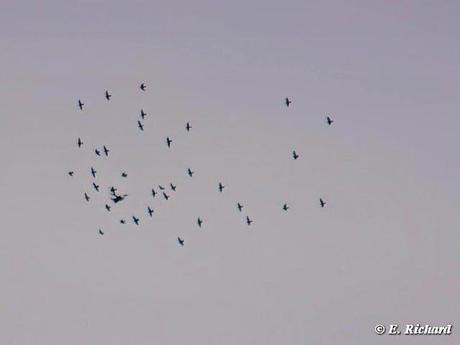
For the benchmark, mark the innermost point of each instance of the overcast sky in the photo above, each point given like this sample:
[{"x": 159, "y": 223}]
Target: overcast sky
[{"x": 385, "y": 249}]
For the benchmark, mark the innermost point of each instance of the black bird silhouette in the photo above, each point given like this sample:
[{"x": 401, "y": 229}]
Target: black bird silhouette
[
  {"x": 70, "y": 173},
  {"x": 140, "y": 125},
  {"x": 122, "y": 221},
  {"x": 107, "y": 95},
  {"x": 329, "y": 121},
  {"x": 150, "y": 211},
  {"x": 124, "y": 174},
  {"x": 153, "y": 193},
  {"x": 168, "y": 141},
  {"x": 143, "y": 114},
  {"x": 136, "y": 220},
  {"x": 166, "y": 196},
  {"x": 113, "y": 191},
  {"x": 87, "y": 197},
  {"x": 199, "y": 222},
  {"x": 323, "y": 203},
  {"x": 93, "y": 172},
  {"x": 117, "y": 198},
  {"x": 221, "y": 187},
  {"x": 79, "y": 142},
  {"x": 80, "y": 104},
  {"x": 239, "y": 206},
  {"x": 96, "y": 187},
  {"x": 181, "y": 241},
  {"x": 285, "y": 207},
  {"x": 188, "y": 127},
  {"x": 101, "y": 232},
  {"x": 107, "y": 207},
  {"x": 98, "y": 153},
  {"x": 190, "y": 172},
  {"x": 173, "y": 187},
  {"x": 287, "y": 101},
  {"x": 106, "y": 151},
  {"x": 295, "y": 155},
  {"x": 248, "y": 221},
  {"x": 161, "y": 187},
  {"x": 142, "y": 87}
]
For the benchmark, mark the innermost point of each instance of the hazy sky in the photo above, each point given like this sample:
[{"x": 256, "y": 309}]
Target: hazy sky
[{"x": 385, "y": 249}]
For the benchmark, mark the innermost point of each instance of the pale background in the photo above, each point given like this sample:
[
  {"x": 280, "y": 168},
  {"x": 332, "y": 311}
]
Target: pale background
[{"x": 384, "y": 250}]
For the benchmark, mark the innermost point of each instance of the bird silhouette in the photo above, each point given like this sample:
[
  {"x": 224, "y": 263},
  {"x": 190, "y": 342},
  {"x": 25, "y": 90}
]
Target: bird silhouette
[
  {"x": 173, "y": 187},
  {"x": 168, "y": 141},
  {"x": 295, "y": 155},
  {"x": 70, "y": 173},
  {"x": 107, "y": 95},
  {"x": 166, "y": 196},
  {"x": 140, "y": 125},
  {"x": 107, "y": 207},
  {"x": 122, "y": 221},
  {"x": 239, "y": 206},
  {"x": 136, "y": 220},
  {"x": 221, "y": 187},
  {"x": 161, "y": 187},
  {"x": 329, "y": 121},
  {"x": 93, "y": 172},
  {"x": 113, "y": 191},
  {"x": 96, "y": 187},
  {"x": 322, "y": 203},
  {"x": 142, "y": 87},
  {"x": 285, "y": 207},
  {"x": 87, "y": 197},
  {"x": 181, "y": 241},
  {"x": 101, "y": 232},
  {"x": 150, "y": 211},
  {"x": 190, "y": 172},
  {"x": 199, "y": 222},
  {"x": 188, "y": 127},
  {"x": 79, "y": 143},
  {"x": 248, "y": 221},
  {"x": 287, "y": 101},
  {"x": 143, "y": 114},
  {"x": 80, "y": 104},
  {"x": 117, "y": 198},
  {"x": 106, "y": 151},
  {"x": 124, "y": 174},
  {"x": 97, "y": 152},
  {"x": 153, "y": 193}
]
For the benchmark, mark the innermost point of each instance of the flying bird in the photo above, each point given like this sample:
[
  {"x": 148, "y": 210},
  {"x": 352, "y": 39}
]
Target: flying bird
[
  {"x": 181, "y": 241},
  {"x": 168, "y": 141},
  {"x": 329, "y": 121},
  {"x": 322, "y": 203},
  {"x": 295, "y": 155},
  {"x": 117, "y": 198},
  {"x": 106, "y": 151},
  {"x": 199, "y": 222},
  {"x": 190, "y": 172},
  {"x": 93, "y": 172},
  {"x": 248, "y": 221},
  {"x": 87, "y": 197},
  {"x": 101, "y": 232},
  {"x": 153, "y": 193},
  {"x": 79, "y": 142},
  {"x": 221, "y": 187},
  {"x": 96, "y": 187},
  {"x": 188, "y": 127},
  {"x": 166, "y": 196},
  {"x": 285, "y": 207},
  {"x": 124, "y": 174},
  {"x": 80, "y": 104},
  {"x": 143, "y": 114},
  {"x": 173, "y": 187},
  {"x": 161, "y": 187},
  {"x": 122, "y": 221},
  {"x": 239, "y": 206},
  {"x": 70, "y": 173},
  {"x": 287, "y": 101},
  {"x": 98, "y": 153},
  {"x": 107, "y": 207},
  {"x": 142, "y": 87},
  {"x": 113, "y": 191},
  {"x": 150, "y": 211},
  {"x": 140, "y": 125},
  {"x": 136, "y": 220},
  {"x": 107, "y": 95}
]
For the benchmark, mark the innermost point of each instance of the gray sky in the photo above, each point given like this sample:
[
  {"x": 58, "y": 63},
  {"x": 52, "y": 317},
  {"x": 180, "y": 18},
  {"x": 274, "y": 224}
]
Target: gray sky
[{"x": 385, "y": 249}]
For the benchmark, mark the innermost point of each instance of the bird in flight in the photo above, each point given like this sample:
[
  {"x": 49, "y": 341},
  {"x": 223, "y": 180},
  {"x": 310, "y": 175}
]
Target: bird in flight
[
  {"x": 70, "y": 173},
  {"x": 190, "y": 172},
  {"x": 221, "y": 187},
  {"x": 107, "y": 95},
  {"x": 140, "y": 125},
  {"x": 80, "y": 104},
  {"x": 79, "y": 142},
  {"x": 122, "y": 221},
  {"x": 107, "y": 207},
  {"x": 168, "y": 141},
  {"x": 287, "y": 101},
  {"x": 181, "y": 241},
  {"x": 239, "y": 206},
  {"x": 87, "y": 197},
  {"x": 117, "y": 198},
  {"x": 161, "y": 187},
  {"x": 136, "y": 220},
  {"x": 106, "y": 151},
  {"x": 143, "y": 114},
  {"x": 113, "y": 191},
  {"x": 96, "y": 187},
  {"x": 322, "y": 203},
  {"x": 124, "y": 174},
  {"x": 285, "y": 207},
  {"x": 166, "y": 196},
  {"x": 142, "y": 87},
  {"x": 150, "y": 211},
  {"x": 248, "y": 221},
  {"x": 173, "y": 187},
  {"x": 199, "y": 222},
  {"x": 329, "y": 121},
  {"x": 93, "y": 172},
  {"x": 153, "y": 193},
  {"x": 101, "y": 232},
  {"x": 188, "y": 127},
  {"x": 98, "y": 153},
  {"x": 295, "y": 155}
]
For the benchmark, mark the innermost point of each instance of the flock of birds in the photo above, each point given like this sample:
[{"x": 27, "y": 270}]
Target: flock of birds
[{"x": 116, "y": 197}]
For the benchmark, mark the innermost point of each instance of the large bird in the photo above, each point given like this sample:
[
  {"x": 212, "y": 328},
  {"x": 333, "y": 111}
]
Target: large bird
[
  {"x": 248, "y": 221},
  {"x": 239, "y": 206},
  {"x": 153, "y": 193},
  {"x": 221, "y": 187},
  {"x": 168, "y": 141},
  {"x": 79, "y": 142},
  {"x": 96, "y": 187},
  {"x": 140, "y": 125},
  {"x": 166, "y": 196},
  {"x": 188, "y": 127},
  {"x": 117, "y": 198},
  {"x": 107, "y": 95},
  {"x": 143, "y": 114},
  {"x": 97, "y": 152},
  {"x": 173, "y": 187},
  {"x": 190, "y": 172},
  {"x": 287, "y": 101},
  {"x": 93, "y": 172},
  {"x": 285, "y": 207},
  {"x": 181, "y": 241},
  {"x": 199, "y": 222},
  {"x": 322, "y": 203},
  {"x": 106, "y": 151},
  {"x": 150, "y": 211},
  {"x": 101, "y": 232},
  {"x": 142, "y": 87},
  {"x": 80, "y": 104},
  {"x": 124, "y": 174},
  {"x": 87, "y": 197},
  {"x": 136, "y": 220},
  {"x": 70, "y": 173},
  {"x": 122, "y": 221},
  {"x": 329, "y": 121},
  {"x": 107, "y": 207}
]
